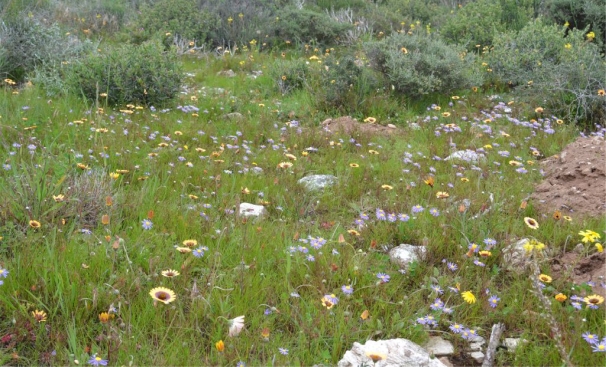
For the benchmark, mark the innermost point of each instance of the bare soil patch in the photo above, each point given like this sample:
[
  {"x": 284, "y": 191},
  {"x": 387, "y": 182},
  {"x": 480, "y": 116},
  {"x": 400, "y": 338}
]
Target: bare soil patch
[
  {"x": 575, "y": 180},
  {"x": 577, "y": 269}
]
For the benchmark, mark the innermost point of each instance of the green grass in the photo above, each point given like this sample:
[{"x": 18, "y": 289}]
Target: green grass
[{"x": 76, "y": 269}]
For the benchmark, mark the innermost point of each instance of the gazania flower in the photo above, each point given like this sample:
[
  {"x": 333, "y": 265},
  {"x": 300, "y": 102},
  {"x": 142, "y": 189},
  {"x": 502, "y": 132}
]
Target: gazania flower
[
  {"x": 163, "y": 295},
  {"x": 373, "y": 152},
  {"x": 170, "y": 273},
  {"x": 35, "y": 224},
  {"x": 265, "y": 334},
  {"x": 560, "y": 297},
  {"x": 220, "y": 346},
  {"x": 538, "y": 110},
  {"x": 531, "y": 223},
  {"x": 557, "y": 215},
  {"x": 59, "y": 198},
  {"x": 545, "y": 278},
  {"x": 183, "y": 250},
  {"x": 82, "y": 166},
  {"x": 594, "y": 299},
  {"x": 601, "y": 93},
  {"x": 104, "y": 317},
  {"x": 40, "y": 316},
  {"x": 445, "y": 114},
  {"x": 442, "y": 195},
  {"x": 353, "y": 232},
  {"x": 468, "y": 297},
  {"x": 370, "y": 120},
  {"x": 364, "y": 315},
  {"x": 485, "y": 253},
  {"x": 190, "y": 243},
  {"x": 354, "y": 165},
  {"x": 429, "y": 181},
  {"x": 387, "y": 187},
  {"x": 567, "y": 218},
  {"x": 236, "y": 325},
  {"x": 329, "y": 301},
  {"x": 284, "y": 165}
]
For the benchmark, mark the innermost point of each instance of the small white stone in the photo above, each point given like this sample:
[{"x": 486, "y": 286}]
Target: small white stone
[
  {"x": 252, "y": 210},
  {"x": 477, "y": 356}
]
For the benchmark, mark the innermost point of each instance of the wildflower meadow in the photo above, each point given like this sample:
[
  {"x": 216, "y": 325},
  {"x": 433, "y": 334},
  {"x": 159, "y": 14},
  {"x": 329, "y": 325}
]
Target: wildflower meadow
[{"x": 136, "y": 151}]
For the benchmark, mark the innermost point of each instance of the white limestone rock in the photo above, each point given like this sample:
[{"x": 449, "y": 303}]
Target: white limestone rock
[
  {"x": 466, "y": 155},
  {"x": 389, "y": 353},
  {"x": 252, "y": 210},
  {"x": 405, "y": 254},
  {"x": 514, "y": 256},
  {"x": 439, "y": 347},
  {"x": 317, "y": 182}
]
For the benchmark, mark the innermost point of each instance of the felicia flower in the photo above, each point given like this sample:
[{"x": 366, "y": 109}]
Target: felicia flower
[
  {"x": 147, "y": 224},
  {"x": 590, "y": 338},
  {"x": 380, "y": 213},
  {"x": 3, "y": 273},
  {"x": 163, "y": 295},
  {"x": 403, "y": 217},
  {"x": 456, "y": 328},
  {"x": 599, "y": 347},
  {"x": 437, "y": 304},
  {"x": 347, "y": 289},
  {"x": 417, "y": 209},
  {"x": 199, "y": 252},
  {"x": 435, "y": 212},
  {"x": 493, "y": 301},
  {"x": 452, "y": 266},
  {"x": 437, "y": 289},
  {"x": 283, "y": 351},
  {"x": 97, "y": 361},
  {"x": 385, "y": 278}
]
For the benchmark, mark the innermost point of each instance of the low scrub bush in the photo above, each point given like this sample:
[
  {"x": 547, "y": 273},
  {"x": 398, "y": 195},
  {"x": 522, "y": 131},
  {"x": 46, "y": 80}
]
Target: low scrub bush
[
  {"x": 27, "y": 44},
  {"x": 290, "y": 75},
  {"x": 305, "y": 26},
  {"x": 474, "y": 24},
  {"x": 566, "y": 72},
  {"x": 343, "y": 84},
  {"x": 421, "y": 63},
  {"x": 128, "y": 74},
  {"x": 181, "y": 18}
]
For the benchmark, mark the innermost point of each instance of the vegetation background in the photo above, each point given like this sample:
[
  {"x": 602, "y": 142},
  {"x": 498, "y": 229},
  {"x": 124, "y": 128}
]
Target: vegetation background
[{"x": 132, "y": 130}]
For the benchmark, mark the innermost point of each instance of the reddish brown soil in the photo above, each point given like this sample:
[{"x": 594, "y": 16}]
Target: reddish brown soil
[{"x": 575, "y": 180}]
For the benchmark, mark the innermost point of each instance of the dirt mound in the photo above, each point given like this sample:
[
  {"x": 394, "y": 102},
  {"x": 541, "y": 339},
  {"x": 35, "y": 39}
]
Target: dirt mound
[
  {"x": 351, "y": 126},
  {"x": 574, "y": 268},
  {"x": 575, "y": 180}
]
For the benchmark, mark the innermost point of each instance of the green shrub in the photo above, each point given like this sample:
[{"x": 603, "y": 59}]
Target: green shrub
[
  {"x": 473, "y": 24},
  {"x": 566, "y": 72},
  {"x": 182, "y": 18},
  {"x": 290, "y": 75},
  {"x": 27, "y": 44},
  {"x": 580, "y": 14},
  {"x": 423, "y": 63},
  {"x": 343, "y": 85},
  {"x": 307, "y": 26},
  {"x": 237, "y": 22},
  {"x": 143, "y": 74}
]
